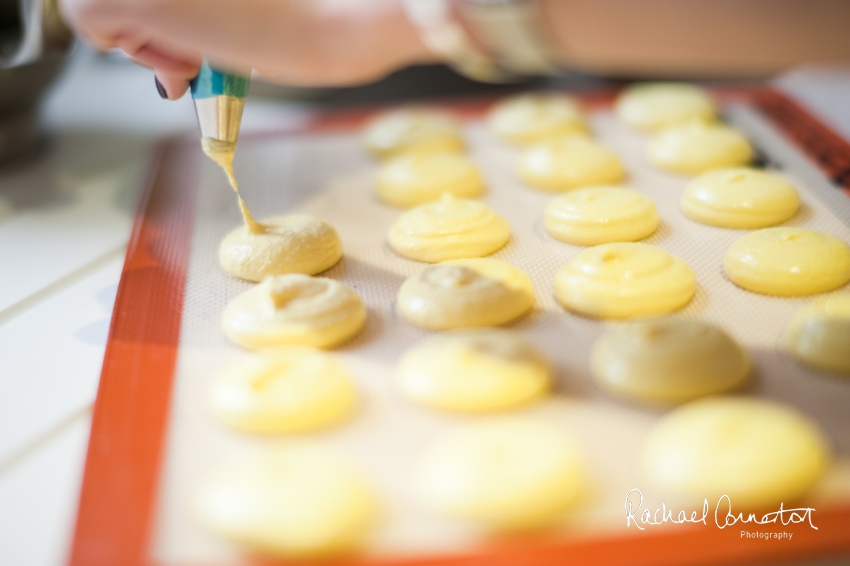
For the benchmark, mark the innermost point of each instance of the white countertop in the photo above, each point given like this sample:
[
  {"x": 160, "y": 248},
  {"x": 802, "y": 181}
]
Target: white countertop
[{"x": 65, "y": 220}]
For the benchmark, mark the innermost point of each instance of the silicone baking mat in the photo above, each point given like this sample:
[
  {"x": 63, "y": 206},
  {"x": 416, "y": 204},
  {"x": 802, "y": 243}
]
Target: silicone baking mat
[{"x": 153, "y": 438}]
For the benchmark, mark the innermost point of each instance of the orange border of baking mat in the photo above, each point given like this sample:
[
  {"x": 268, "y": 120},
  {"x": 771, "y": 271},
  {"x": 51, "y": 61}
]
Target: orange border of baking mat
[{"x": 118, "y": 498}]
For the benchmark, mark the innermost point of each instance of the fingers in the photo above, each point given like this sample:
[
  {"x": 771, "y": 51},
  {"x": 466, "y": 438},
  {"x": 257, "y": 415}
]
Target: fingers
[
  {"x": 110, "y": 24},
  {"x": 173, "y": 72},
  {"x": 306, "y": 42},
  {"x": 171, "y": 86}
]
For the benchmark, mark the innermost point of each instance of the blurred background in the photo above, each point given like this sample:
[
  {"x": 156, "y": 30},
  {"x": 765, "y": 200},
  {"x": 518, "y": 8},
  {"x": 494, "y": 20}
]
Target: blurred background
[{"x": 77, "y": 132}]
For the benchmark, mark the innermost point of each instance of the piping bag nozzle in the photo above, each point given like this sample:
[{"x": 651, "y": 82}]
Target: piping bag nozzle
[{"x": 219, "y": 100}]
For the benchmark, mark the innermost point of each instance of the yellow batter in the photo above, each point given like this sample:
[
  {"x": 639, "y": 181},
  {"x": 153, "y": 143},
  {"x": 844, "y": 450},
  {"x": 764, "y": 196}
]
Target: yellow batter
[
  {"x": 466, "y": 293},
  {"x": 417, "y": 178},
  {"x": 299, "y": 500},
  {"x": 653, "y": 106},
  {"x": 533, "y": 117},
  {"x": 740, "y": 198},
  {"x": 667, "y": 360},
  {"x": 448, "y": 229},
  {"x": 599, "y": 215},
  {"x": 788, "y": 262},
  {"x": 412, "y": 129},
  {"x": 820, "y": 334},
  {"x": 222, "y": 153},
  {"x": 624, "y": 280},
  {"x": 474, "y": 371},
  {"x": 568, "y": 163},
  {"x": 289, "y": 389},
  {"x": 295, "y": 243},
  {"x": 508, "y": 473},
  {"x": 697, "y": 147},
  {"x": 294, "y": 309},
  {"x": 759, "y": 453}
]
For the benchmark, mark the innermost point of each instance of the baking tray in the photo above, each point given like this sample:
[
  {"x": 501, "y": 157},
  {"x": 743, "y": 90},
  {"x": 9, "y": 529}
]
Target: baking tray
[{"x": 153, "y": 438}]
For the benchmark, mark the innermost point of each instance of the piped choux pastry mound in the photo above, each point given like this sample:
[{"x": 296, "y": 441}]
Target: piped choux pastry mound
[
  {"x": 562, "y": 164},
  {"x": 740, "y": 197},
  {"x": 474, "y": 371},
  {"x": 295, "y": 243},
  {"x": 466, "y": 293},
  {"x": 667, "y": 360},
  {"x": 288, "y": 389},
  {"x": 599, "y": 215},
  {"x": 294, "y": 310},
  {"x": 788, "y": 262},
  {"x": 300, "y": 500},
  {"x": 417, "y": 178},
  {"x": 448, "y": 229},
  {"x": 416, "y": 129},
  {"x": 536, "y": 116},
  {"x": 624, "y": 280},
  {"x": 653, "y": 106},
  {"x": 506, "y": 473},
  {"x": 819, "y": 335},
  {"x": 697, "y": 147},
  {"x": 758, "y": 453}
]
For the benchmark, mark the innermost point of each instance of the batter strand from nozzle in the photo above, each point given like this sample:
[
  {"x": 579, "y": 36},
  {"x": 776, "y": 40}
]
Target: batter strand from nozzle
[{"x": 219, "y": 101}]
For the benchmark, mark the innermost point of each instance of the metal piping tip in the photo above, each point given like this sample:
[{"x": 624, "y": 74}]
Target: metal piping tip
[
  {"x": 219, "y": 100},
  {"x": 220, "y": 117}
]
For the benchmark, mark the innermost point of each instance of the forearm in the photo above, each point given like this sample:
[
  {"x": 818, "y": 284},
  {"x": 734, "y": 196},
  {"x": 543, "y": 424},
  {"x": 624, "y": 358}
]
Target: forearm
[
  {"x": 345, "y": 42},
  {"x": 697, "y": 37}
]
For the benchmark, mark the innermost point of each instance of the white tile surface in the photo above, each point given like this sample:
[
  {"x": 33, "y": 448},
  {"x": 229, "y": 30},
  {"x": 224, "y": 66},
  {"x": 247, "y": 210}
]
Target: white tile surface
[
  {"x": 77, "y": 219},
  {"x": 52, "y": 357},
  {"x": 38, "y": 498}
]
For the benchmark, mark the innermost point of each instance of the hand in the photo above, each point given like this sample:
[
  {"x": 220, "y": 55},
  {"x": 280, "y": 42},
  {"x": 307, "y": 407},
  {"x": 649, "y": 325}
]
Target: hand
[{"x": 298, "y": 42}]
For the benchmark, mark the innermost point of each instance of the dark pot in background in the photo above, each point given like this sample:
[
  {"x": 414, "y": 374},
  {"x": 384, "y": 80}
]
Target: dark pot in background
[{"x": 33, "y": 44}]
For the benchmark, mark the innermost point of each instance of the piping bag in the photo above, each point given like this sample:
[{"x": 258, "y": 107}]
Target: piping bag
[{"x": 219, "y": 99}]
